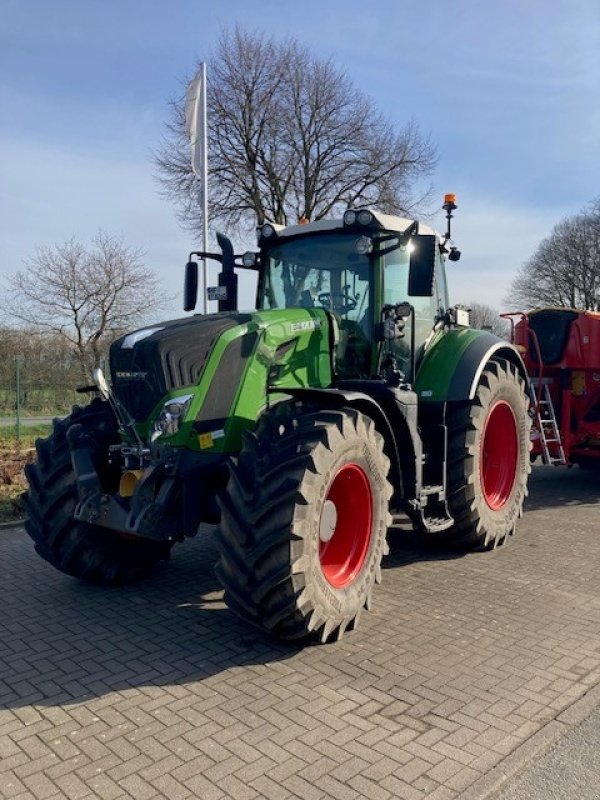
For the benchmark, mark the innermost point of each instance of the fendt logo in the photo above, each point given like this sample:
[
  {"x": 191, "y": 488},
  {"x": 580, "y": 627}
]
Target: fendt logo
[{"x": 132, "y": 376}]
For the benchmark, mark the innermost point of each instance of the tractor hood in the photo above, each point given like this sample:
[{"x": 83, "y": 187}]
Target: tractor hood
[
  {"x": 225, "y": 360},
  {"x": 149, "y": 363}
]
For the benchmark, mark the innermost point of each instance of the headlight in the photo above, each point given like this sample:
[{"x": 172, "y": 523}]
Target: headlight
[
  {"x": 267, "y": 231},
  {"x": 171, "y": 416},
  {"x": 349, "y": 217},
  {"x": 364, "y": 217}
]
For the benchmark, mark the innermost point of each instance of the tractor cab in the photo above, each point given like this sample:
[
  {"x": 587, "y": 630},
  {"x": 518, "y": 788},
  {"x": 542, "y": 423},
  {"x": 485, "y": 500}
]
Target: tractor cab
[
  {"x": 362, "y": 270},
  {"x": 380, "y": 279}
]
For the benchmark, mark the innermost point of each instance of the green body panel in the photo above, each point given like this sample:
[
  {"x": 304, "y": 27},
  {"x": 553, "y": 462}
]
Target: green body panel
[
  {"x": 441, "y": 361},
  {"x": 303, "y": 360}
]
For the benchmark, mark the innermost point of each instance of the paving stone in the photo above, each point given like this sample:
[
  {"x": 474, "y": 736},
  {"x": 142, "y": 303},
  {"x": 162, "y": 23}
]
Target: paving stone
[{"x": 157, "y": 690}]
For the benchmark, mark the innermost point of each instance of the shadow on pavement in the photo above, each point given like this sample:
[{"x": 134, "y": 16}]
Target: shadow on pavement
[
  {"x": 550, "y": 487},
  {"x": 64, "y": 642},
  {"x": 409, "y": 547}
]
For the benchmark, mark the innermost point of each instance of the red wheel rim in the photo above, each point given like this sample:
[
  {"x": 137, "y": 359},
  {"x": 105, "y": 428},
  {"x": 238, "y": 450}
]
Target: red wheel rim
[
  {"x": 499, "y": 455},
  {"x": 345, "y": 526}
]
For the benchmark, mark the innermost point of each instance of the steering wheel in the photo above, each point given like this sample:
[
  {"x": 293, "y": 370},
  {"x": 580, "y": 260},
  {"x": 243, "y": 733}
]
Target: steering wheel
[{"x": 342, "y": 302}]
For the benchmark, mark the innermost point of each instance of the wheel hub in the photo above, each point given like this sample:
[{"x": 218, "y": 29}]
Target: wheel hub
[{"x": 328, "y": 521}]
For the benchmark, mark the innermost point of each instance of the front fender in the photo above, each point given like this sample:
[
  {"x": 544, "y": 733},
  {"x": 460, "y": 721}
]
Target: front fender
[
  {"x": 451, "y": 367},
  {"x": 401, "y": 440}
]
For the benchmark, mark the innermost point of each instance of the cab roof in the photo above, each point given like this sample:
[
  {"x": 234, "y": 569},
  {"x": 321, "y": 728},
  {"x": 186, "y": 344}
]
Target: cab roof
[{"x": 388, "y": 222}]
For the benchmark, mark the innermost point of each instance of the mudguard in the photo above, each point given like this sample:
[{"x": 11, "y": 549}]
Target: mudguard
[{"x": 452, "y": 364}]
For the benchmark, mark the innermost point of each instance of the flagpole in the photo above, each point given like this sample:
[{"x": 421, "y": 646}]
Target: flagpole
[
  {"x": 204, "y": 188},
  {"x": 196, "y": 128}
]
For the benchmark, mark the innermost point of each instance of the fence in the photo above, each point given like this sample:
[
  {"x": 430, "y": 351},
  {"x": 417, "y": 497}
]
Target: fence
[{"x": 26, "y": 400}]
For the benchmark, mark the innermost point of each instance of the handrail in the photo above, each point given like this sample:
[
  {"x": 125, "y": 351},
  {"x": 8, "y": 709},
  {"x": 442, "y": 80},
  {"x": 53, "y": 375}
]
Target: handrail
[
  {"x": 509, "y": 316},
  {"x": 531, "y": 334}
]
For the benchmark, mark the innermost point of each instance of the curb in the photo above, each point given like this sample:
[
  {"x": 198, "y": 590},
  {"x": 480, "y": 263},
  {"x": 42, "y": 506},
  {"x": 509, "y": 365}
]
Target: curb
[
  {"x": 499, "y": 778},
  {"x": 16, "y": 523}
]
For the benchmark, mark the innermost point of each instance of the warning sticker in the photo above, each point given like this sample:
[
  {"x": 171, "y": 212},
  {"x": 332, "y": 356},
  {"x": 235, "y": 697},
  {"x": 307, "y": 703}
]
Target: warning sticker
[{"x": 205, "y": 440}]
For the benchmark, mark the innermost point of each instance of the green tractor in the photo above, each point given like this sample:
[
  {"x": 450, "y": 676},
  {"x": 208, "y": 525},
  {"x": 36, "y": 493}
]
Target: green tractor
[{"x": 352, "y": 394}]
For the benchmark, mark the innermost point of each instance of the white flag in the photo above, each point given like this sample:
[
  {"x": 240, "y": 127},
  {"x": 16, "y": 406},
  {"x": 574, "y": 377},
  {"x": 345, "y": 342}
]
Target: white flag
[{"x": 195, "y": 123}]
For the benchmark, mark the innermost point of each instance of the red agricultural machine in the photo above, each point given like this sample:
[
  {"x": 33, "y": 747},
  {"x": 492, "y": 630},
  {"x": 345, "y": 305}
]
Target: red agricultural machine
[{"x": 561, "y": 350}]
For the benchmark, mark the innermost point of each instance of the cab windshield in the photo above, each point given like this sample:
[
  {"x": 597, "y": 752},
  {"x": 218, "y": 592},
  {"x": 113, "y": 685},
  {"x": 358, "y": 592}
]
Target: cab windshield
[
  {"x": 326, "y": 271},
  {"x": 323, "y": 271}
]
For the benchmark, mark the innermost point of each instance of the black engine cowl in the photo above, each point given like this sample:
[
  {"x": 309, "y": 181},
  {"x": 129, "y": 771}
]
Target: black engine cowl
[{"x": 149, "y": 362}]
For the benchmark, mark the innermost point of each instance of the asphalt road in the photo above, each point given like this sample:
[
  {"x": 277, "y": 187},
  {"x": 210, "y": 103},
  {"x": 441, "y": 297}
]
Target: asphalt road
[{"x": 571, "y": 771}]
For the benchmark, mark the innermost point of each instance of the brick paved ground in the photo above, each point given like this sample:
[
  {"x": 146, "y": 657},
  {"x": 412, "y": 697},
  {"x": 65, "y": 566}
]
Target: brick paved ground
[{"x": 158, "y": 691}]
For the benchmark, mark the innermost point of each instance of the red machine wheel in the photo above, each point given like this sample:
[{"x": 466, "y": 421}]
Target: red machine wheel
[
  {"x": 345, "y": 525},
  {"x": 488, "y": 458},
  {"x": 304, "y": 521},
  {"x": 499, "y": 455}
]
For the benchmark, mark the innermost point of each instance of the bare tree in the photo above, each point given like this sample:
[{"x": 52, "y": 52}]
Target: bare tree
[
  {"x": 565, "y": 268},
  {"x": 486, "y": 317},
  {"x": 49, "y": 371},
  {"x": 290, "y": 137},
  {"x": 84, "y": 296}
]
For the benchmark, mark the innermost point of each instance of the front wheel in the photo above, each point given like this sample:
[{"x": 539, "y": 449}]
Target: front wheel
[
  {"x": 488, "y": 458},
  {"x": 304, "y": 522},
  {"x": 89, "y": 552}
]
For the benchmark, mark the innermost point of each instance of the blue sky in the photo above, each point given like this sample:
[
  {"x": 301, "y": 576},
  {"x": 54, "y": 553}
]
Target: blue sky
[{"x": 508, "y": 90}]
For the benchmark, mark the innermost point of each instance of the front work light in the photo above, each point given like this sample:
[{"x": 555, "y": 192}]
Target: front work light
[
  {"x": 359, "y": 217},
  {"x": 171, "y": 416},
  {"x": 267, "y": 231}
]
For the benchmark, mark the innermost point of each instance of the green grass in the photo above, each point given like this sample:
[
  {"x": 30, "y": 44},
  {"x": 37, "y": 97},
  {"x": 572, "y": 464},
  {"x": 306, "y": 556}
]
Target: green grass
[
  {"x": 27, "y": 434},
  {"x": 14, "y": 454},
  {"x": 40, "y": 402}
]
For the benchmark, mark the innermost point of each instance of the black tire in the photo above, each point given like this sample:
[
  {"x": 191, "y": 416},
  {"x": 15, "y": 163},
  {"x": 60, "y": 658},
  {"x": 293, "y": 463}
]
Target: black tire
[
  {"x": 88, "y": 552},
  {"x": 276, "y": 571},
  {"x": 488, "y": 458}
]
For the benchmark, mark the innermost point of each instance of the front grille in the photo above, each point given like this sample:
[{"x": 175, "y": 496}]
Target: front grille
[{"x": 170, "y": 358}]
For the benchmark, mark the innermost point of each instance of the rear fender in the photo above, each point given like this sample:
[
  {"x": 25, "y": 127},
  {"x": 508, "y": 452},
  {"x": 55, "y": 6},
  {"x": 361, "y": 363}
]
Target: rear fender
[{"x": 451, "y": 368}]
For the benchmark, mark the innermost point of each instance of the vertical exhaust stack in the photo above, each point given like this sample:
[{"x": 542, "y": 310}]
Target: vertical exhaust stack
[{"x": 227, "y": 277}]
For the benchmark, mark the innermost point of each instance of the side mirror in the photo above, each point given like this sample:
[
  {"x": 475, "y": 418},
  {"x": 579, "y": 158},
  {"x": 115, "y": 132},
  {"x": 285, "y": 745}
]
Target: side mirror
[
  {"x": 393, "y": 324},
  {"x": 190, "y": 286},
  {"x": 422, "y": 266}
]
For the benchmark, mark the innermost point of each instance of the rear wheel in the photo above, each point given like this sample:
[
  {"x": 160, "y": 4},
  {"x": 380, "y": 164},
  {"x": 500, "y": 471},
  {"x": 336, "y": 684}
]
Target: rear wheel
[
  {"x": 304, "y": 521},
  {"x": 488, "y": 458},
  {"x": 89, "y": 552}
]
